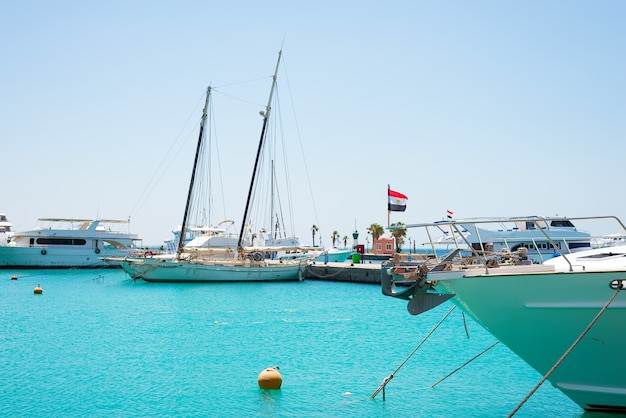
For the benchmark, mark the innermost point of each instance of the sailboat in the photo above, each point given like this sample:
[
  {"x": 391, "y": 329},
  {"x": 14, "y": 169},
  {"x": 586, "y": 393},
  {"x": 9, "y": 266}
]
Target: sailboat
[{"x": 244, "y": 263}]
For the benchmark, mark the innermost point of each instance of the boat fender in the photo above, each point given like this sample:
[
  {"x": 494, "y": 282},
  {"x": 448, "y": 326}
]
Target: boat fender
[
  {"x": 148, "y": 254},
  {"x": 97, "y": 250},
  {"x": 44, "y": 252},
  {"x": 257, "y": 256}
]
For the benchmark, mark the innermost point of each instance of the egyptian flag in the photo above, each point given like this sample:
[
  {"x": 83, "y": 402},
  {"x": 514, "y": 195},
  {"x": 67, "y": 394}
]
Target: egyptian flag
[
  {"x": 397, "y": 201},
  {"x": 450, "y": 213}
]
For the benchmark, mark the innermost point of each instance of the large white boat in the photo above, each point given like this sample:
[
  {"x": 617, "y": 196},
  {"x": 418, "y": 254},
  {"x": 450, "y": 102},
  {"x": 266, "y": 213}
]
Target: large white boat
[
  {"x": 202, "y": 236},
  {"x": 64, "y": 243},
  {"x": 6, "y": 233},
  {"x": 563, "y": 316},
  {"x": 196, "y": 262},
  {"x": 543, "y": 237}
]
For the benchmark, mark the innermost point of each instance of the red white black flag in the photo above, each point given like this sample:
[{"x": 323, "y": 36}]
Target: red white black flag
[{"x": 396, "y": 202}]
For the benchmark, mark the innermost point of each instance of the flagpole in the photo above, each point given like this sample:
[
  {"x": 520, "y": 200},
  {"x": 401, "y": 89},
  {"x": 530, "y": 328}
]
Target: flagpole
[{"x": 388, "y": 211}]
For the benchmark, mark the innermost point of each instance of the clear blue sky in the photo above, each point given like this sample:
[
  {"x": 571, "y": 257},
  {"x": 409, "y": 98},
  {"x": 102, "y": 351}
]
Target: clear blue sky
[{"x": 487, "y": 108}]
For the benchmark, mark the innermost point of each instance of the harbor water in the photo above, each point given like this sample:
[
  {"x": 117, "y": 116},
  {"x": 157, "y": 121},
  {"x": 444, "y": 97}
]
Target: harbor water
[{"x": 96, "y": 343}]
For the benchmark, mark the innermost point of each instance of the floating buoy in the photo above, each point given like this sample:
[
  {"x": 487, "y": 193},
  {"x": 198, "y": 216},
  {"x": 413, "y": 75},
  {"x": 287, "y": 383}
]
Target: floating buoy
[
  {"x": 13, "y": 277},
  {"x": 38, "y": 290},
  {"x": 270, "y": 378}
]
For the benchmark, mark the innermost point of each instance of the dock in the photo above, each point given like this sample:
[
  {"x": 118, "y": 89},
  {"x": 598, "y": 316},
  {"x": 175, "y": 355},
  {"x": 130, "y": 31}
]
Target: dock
[{"x": 368, "y": 273}]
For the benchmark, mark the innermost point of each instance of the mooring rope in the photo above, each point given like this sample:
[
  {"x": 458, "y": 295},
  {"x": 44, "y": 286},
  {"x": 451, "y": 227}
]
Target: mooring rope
[
  {"x": 620, "y": 284},
  {"x": 465, "y": 325},
  {"x": 388, "y": 378},
  {"x": 466, "y": 363}
]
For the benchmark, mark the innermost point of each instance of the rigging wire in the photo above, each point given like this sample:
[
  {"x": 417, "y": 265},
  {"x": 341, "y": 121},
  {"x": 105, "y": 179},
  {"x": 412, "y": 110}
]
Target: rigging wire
[
  {"x": 297, "y": 126},
  {"x": 164, "y": 164}
]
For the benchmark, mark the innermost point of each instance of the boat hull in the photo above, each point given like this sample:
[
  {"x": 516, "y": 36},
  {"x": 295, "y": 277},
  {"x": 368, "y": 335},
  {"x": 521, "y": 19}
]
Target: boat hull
[
  {"x": 12, "y": 257},
  {"x": 159, "y": 270},
  {"x": 539, "y": 316},
  {"x": 338, "y": 256}
]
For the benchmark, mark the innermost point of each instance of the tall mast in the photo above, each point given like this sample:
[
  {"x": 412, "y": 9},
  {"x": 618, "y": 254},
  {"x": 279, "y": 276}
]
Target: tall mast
[
  {"x": 183, "y": 229},
  {"x": 258, "y": 154},
  {"x": 272, "y": 223}
]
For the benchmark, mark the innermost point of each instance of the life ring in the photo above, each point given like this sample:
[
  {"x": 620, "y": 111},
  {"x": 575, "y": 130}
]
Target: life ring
[
  {"x": 44, "y": 252},
  {"x": 148, "y": 254},
  {"x": 97, "y": 250},
  {"x": 133, "y": 254},
  {"x": 257, "y": 256}
]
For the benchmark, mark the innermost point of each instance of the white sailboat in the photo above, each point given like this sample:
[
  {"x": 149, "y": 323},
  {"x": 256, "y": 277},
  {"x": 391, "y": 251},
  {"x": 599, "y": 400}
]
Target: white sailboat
[{"x": 223, "y": 264}]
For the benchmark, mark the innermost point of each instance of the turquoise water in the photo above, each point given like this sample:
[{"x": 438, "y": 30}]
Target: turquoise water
[{"x": 96, "y": 343}]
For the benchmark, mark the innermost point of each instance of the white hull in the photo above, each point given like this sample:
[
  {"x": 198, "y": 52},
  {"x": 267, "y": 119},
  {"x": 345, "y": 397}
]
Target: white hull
[
  {"x": 36, "y": 257},
  {"x": 161, "y": 270}
]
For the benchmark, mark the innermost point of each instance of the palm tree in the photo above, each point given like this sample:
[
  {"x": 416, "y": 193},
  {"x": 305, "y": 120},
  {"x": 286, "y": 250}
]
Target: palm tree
[
  {"x": 314, "y": 230},
  {"x": 334, "y": 237},
  {"x": 345, "y": 241},
  {"x": 399, "y": 235},
  {"x": 376, "y": 230}
]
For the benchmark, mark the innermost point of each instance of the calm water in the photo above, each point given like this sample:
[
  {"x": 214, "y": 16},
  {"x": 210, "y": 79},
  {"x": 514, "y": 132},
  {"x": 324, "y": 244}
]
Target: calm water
[{"x": 95, "y": 343}]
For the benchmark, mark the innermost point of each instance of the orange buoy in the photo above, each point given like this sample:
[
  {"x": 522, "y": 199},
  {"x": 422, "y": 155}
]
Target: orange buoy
[
  {"x": 270, "y": 378},
  {"x": 38, "y": 290},
  {"x": 13, "y": 277}
]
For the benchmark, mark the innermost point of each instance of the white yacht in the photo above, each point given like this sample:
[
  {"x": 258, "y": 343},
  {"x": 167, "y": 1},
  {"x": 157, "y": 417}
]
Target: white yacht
[
  {"x": 64, "y": 243},
  {"x": 542, "y": 237},
  {"x": 5, "y": 229},
  {"x": 563, "y": 317}
]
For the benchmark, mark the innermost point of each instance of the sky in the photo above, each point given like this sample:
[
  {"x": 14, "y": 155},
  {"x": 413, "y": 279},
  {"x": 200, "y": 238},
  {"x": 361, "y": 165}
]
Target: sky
[{"x": 484, "y": 108}]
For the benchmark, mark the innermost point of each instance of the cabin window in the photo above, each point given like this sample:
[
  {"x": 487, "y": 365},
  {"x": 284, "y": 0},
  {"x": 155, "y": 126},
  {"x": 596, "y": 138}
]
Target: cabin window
[
  {"x": 562, "y": 224},
  {"x": 60, "y": 241}
]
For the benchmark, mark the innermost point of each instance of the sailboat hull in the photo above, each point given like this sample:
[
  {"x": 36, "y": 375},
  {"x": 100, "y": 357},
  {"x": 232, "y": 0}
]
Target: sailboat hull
[{"x": 159, "y": 270}]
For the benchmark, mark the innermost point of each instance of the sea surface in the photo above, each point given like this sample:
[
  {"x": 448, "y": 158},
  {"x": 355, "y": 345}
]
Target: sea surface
[{"x": 96, "y": 343}]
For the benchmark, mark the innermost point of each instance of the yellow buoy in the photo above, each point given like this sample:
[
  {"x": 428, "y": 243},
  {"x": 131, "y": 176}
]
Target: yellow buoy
[
  {"x": 270, "y": 378},
  {"x": 38, "y": 290}
]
